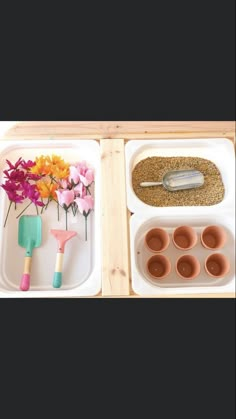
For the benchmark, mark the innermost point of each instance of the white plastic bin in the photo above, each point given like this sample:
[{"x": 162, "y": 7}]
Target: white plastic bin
[
  {"x": 219, "y": 151},
  {"x": 82, "y": 259}
]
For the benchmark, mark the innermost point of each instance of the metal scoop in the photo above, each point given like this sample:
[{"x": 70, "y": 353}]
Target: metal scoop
[{"x": 176, "y": 180}]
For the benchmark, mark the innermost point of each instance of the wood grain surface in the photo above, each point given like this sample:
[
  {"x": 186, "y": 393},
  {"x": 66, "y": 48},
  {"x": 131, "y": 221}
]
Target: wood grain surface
[
  {"x": 116, "y": 281},
  {"x": 115, "y": 267},
  {"x": 122, "y": 129}
]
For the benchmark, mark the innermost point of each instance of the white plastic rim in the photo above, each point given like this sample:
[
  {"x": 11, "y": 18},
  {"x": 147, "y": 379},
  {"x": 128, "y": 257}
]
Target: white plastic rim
[{"x": 82, "y": 260}]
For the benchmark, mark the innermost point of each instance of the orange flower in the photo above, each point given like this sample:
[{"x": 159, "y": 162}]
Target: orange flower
[
  {"x": 40, "y": 167},
  {"x": 47, "y": 189},
  {"x": 53, "y": 166}
]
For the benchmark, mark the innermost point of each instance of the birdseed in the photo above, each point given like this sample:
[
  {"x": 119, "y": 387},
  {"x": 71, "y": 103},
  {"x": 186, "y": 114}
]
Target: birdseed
[{"x": 152, "y": 169}]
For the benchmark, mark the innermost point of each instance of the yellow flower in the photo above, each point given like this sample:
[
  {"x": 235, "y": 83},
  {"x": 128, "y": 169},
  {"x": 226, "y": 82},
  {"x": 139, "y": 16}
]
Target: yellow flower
[
  {"x": 41, "y": 167},
  {"x": 53, "y": 166},
  {"x": 47, "y": 189}
]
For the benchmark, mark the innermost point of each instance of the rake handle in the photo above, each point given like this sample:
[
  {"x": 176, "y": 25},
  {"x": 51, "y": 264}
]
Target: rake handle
[
  {"x": 57, "y": 278},
  {"x": 25, "y": 279}
]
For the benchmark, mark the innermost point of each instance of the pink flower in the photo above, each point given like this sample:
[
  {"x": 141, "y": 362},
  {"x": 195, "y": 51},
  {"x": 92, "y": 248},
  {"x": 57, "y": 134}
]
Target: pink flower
[
  {"x": 82, "y": 167},
  {"x": 65, "y": 197},
  {"x": 64, "y": 184},
  {"x": 88, "y": 178},
  {"x": 74, "y": 174},
  {"x": 80, "y": 190},
  {"x": 85, "y": 205}
]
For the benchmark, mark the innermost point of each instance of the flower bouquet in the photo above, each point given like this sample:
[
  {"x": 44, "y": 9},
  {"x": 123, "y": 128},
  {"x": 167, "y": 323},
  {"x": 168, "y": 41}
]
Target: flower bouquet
[{"x": 50, "y": 179}]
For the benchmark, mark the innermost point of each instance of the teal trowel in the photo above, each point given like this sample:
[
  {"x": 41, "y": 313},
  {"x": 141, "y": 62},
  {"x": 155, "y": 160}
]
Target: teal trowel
[{"x": 29, "y": 237}]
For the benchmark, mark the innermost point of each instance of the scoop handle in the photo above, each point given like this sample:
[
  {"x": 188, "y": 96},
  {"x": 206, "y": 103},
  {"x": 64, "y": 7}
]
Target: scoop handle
[
  {"x": 25, "y": 279},
  {"x": 57, "y": 278},
  {"x": 146, "y": 184}
]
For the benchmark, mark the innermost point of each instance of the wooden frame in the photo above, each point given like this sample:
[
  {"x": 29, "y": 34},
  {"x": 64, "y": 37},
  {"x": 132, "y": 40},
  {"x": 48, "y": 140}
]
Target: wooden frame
[{"x": 116, "y": 278}]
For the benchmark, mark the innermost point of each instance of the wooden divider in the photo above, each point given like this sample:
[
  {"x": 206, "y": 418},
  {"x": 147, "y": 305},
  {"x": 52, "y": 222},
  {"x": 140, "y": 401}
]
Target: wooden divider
[{"x": 115, "y": 252}]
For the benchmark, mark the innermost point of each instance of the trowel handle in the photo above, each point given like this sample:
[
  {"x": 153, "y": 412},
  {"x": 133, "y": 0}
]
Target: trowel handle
[
  {"x": 57, "y": 279},
  {"x": 25, "y": 279}
]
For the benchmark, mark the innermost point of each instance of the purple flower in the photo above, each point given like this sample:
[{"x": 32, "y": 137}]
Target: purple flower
[
  {"x": 14, "y": 166},
  {"x": 32, "y": 176},
  {"x": 15, "y": 175},
  {"x": 11, "y": 189},
  {"x": 31, "y": 192},
  {"x": 27, "y": 164}
]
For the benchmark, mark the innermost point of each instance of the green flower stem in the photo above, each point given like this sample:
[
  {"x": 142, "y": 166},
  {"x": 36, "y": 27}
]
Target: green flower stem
[
  {"x": 9, "y": 207},
  {"x": 24, "y": 210},
  {"x": 54, "y": 180},
  {"x": 88, "y": 190},
  {"x": 57, "y": 203},
  {"x": 37, "y": 209},
  {"x": 86, "y": 236},
  {"x": 42, "y": 207},
  {"x": 66, "y": 220},
  {"x": 58, "y": 213}
]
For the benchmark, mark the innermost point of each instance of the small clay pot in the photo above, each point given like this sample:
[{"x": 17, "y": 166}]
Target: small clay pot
[
  {"x": 157, "y": 240},
  {"x": 217, "y": 265},
  {"x": 184, "y": 237},
  {"x": 158, "y": 266},
  {"x": 213, "y": 237},
  {"x": 187, "y": 267}
]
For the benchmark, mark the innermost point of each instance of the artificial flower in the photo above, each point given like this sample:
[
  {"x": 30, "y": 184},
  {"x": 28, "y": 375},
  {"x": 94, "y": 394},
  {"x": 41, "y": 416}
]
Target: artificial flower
[
  {"x": 85, "y": 206},
  {"x": 80, "y": 190},
  {"x": 31, "y": 192},
  {"x": 65, "y": 197},
  {"x": 88, "y": 178},
  {"x": 74, "y": 175},
  {"x": 47, "y": 189},
  {"x": 53, "y": 166},
  {"x": 14, "y": 191}
]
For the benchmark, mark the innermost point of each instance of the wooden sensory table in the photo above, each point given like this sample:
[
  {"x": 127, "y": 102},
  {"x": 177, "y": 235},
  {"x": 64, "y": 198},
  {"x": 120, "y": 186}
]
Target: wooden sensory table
[{"x": 112, "y": 136}]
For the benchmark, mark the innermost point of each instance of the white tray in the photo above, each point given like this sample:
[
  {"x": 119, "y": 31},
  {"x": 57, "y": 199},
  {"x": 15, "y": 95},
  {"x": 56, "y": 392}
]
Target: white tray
[
  {"x": 82, "y": 259},
  {"x": 142, "y": 281},
  {"x": 219, "y": 151}
]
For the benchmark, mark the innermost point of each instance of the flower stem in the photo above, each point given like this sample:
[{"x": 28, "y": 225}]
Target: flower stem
[
  {"x": 66, "y": 220},
  {"x": 24, "y": 210},
  {"x": 86, "y": 227},
  {"x": 9, "y": 207},
  {"x": 58, "y": 214},
  {"x": 37, "y": 209}
]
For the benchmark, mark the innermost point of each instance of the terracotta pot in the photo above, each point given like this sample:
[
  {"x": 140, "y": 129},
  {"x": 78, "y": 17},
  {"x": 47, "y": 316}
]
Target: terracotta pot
[
  {"x": 184, "y": 237},
  {"x": 158, "y": 266},
  {"x": 157, "y": 240},
  {"x": 217, "y": 265},
  {"x": 213, "y": 237},
  {"x": 187, "y": 267}
]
